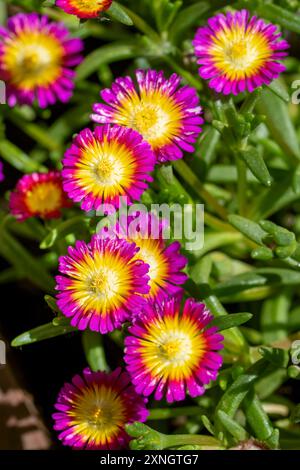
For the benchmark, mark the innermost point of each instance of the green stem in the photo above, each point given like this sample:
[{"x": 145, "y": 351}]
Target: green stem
[
  {"x": 259, "y": 420},
  {"x": 94, "y": 351},
  {"x": 166, "y": 413},
  {"x": 183, "y": 73},
  {"x": 217, "y": 224},
  {"x": 35, "y": 132},
  {"x": 242, "y": 185},
  {"x": 250, "y": 102},
  {"x": 205, "y": 442},
  {"x": 191, "y": 179},
  {"x": 141, "y": 25},
  {"x": 117, "y": 337}
]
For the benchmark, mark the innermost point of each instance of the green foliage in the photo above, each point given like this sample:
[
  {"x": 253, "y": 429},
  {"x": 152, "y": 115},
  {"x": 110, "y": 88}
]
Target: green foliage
[{"x": 245, "y": 170}]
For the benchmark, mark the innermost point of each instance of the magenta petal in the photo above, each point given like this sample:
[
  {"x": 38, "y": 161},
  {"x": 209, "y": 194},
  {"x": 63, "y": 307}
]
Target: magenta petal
[{"x": 166, "y": 143}]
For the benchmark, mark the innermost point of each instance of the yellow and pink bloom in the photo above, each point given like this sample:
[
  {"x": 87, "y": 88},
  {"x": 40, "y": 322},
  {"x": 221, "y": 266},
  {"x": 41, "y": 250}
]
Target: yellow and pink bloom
[
  {"x": 102, "y": 284},
  {"x": 84, "y": 8},
  {"x": 102, "y": 166},
  {"x": 237, "y": 52},
  {"x": 165, "y": 261},
  {"x": 92, "y": 411},
  {"x": 168, "y": 352},
  {"x": 37, "y": 58},
  {"x": 167, "y": 115},
  {"x": 39, "y": 195}
]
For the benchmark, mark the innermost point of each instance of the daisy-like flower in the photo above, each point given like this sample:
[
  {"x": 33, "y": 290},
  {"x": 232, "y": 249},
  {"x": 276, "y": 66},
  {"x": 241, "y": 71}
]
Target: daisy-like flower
[
  {"x": 165, "y": 261},
  {"x": 165, "y": 114},
  {"x": 93, "y": 410},
  {"x": 237, "y": 52},
  {"x": 36, "y": 60},
  {"x": 102, "y": 166},
  {"x": 39, "y": 195},
  {"x": 101, "y": 284},
  {"x": 168, "y": 352},
  {"x": 84, "y": 8}
]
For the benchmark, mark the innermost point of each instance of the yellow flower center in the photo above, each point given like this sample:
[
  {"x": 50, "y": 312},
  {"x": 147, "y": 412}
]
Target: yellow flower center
[
  {"x": 106, "y": 169},
  {"x": 172, "y": 348},
  {"x": 239, "y": 53},
  {"x": 176, "y": 349},
  {"x": 44, "y": 198},
  {"x": 151, "y": 252},
  {"x": 98, "y": 414},
  {"x": 146, "y": 119},
  {"x": 88, "y": 5},
  {"x": 101, "y": 283},
  {"x": 33, "y": 59},
  {"x": 154, "y": 114}
]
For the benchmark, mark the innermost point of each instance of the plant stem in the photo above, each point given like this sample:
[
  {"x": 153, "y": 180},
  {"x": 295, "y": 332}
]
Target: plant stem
[
  {"x": 191, "y": 179},
  {"x": 140, "y": 24},
  {"x": 217, "y": 224},
  {"x": 117, "y": 337},
  {"x": 94, "y": 351},
  {"x": 166, "y": 413},
  {"x": 242, "y": 185},
  {"x": 205, "y": 442},
  {"x": 183, "y": 73},
  {"x": 250, "y": 101}
]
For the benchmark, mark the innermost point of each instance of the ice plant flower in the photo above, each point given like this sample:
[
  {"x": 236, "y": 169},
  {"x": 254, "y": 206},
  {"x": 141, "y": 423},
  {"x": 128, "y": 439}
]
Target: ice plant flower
[
  {"x": 84, "y": 8},
  {"x": 167, "y": 115},
  {"x": 101, "y": 284},
  {"x": 92, "y": 411},
  {"x": 36, "y": 60},
  {"x": 102, "y": 166},
  {"x": 165, "y": 261},
  {"x": 39, "y": 195},
  {"x": 168, "y": 352},
  {"x": 237, "y": 52}
]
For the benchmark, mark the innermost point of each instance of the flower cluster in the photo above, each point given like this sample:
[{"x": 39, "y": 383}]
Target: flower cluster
[
  {"x": 166, "y": 353},
  {"x": 124, "y": 278}
]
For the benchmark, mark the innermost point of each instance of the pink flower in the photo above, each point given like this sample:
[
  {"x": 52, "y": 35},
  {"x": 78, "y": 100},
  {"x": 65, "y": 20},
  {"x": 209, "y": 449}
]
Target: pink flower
[
  {"x": 102, "y": 283},
  {"x": 168, "y": 352},
  {"x": 93, "y": 410},
  {"x": 166, "y": 115},
  {"x": 37, "y": 58},
  {"x": 237, "y": 52}
]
